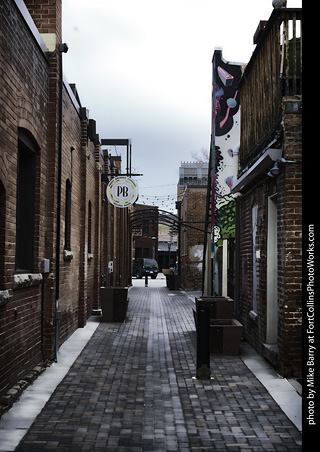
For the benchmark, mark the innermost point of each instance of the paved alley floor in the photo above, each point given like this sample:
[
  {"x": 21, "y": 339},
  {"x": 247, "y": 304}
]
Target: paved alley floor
[{"x": 132, "y": 389}]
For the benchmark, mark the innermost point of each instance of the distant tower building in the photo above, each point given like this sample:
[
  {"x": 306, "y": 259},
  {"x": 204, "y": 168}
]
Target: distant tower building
[
  {"x": 192, "y": 174},
  {"x": 192, "y": 192}
]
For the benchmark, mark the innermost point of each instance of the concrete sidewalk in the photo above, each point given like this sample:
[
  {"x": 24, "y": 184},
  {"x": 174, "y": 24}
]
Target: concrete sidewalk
[{"x": 132, "y": 388}]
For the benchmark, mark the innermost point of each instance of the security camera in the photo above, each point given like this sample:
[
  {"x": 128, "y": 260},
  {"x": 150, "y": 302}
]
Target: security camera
[{"x": 63, "y": 48}]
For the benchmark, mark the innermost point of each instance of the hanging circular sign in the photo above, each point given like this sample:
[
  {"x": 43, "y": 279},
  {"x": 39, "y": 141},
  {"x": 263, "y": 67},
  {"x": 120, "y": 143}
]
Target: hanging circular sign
[{"x": 122, "y": 191}]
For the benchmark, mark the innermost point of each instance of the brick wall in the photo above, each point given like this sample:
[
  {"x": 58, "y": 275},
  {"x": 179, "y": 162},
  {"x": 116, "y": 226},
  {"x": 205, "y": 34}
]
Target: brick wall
[
  {"x": 144, "y": 245},
  {"x": 47, "y": 16},
  {"x": 115, "y": 236},
  {"x": 29, "y": 97},
  {"x": 24, "y": 102},
  {"x": 254, "y": 318},
  {"x": 287, "y": 188},
  {"x": 290, "y": 321},
  {"x": 192, "y": 210}
]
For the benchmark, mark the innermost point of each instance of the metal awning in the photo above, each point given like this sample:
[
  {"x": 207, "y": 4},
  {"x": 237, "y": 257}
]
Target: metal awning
[{"x": 257, "y": 171}]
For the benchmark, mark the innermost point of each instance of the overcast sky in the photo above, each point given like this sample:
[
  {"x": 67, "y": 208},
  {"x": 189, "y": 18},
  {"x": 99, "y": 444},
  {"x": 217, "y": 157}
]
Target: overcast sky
[{"x": 143, "y": 69}]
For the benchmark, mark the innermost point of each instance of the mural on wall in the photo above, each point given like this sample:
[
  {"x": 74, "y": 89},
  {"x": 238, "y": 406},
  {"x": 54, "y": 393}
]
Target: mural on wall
[
  {"x": 226, "y": 138},
  {"x": 196, "y": 257}
]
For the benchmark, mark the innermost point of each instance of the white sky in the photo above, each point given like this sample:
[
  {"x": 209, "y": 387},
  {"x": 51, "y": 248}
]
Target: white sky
[{"x": 143, "y": 69}]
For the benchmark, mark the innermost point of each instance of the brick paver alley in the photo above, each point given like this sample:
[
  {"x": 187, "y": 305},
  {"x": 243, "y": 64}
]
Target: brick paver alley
[{"x": 131, "y": 389}]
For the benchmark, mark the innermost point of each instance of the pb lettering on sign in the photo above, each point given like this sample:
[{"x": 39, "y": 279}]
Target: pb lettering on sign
[{"x": 122, "y": 191}]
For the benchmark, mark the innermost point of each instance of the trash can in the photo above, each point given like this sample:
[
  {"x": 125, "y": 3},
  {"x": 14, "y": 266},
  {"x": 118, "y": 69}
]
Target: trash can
[
  {"x": 173, "y": 281},
  {"x": 225, "y": 331},
  {"x": 114, "y": 303},
  {"x": 220, "y": 307},
  {"x": 225, "y": 336}
]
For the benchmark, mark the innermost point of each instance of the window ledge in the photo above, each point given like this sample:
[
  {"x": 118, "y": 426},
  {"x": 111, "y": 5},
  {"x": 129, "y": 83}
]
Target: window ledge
[
  {"x": 4, "y": 297},
  {"x": 253, "y": 316},
  {"x": 67, "y": 255},
  {"x": 20, "y": 281}
]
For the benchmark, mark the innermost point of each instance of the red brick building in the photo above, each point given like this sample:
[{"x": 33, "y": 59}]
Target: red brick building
[
  {"x": 193, "y": 211},
  {"x": 145, "y": 231},
  {"x": 192, "y": 197},
  {"x": 116, "y": 252},
  {"x": 269, "y": 194},
  {"x": 56, "y": 227}
]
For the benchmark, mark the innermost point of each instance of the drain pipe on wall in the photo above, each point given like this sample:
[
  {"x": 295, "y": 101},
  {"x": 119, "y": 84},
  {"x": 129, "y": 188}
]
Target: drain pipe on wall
[
  {"x": 63, "y": 48},
  {"x": 45, "y": 268},
  {"x": 236, "y": 161},
  {"x": 236, "y": 198}
]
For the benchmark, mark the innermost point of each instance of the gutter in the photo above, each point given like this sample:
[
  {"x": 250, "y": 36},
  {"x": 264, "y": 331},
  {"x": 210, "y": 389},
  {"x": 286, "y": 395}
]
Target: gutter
[{"x": 31, "y": 25}]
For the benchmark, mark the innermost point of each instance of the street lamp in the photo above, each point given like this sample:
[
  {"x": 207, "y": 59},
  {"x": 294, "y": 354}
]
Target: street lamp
[{"x": 153, "y": 247}]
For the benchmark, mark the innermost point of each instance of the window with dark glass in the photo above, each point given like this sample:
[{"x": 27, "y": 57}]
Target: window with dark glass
[
  {"x": 89, "y": 226},
  {"x": 2, "y": 231},
  {"x": 26, "y": 173},
  {"x": 67, "y": 229},
  {"x": 145, "y": 225}
]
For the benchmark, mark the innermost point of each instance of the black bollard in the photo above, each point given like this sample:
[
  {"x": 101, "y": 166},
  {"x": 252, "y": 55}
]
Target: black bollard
[
  {"x": 146, "y": 280},
  {"x": 203, "y": 342}
]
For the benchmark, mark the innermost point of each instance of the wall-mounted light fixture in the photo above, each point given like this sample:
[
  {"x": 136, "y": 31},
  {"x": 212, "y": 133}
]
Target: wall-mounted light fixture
[{"x": 276, "y": 169}]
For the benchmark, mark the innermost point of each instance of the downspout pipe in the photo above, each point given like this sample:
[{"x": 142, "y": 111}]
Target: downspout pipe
[
  {"x": 237, "y": 261},
  {"x": 237, "y": 235},
  {"x": 63, "y": 48},
  {"x": 236, "y": 161},
  {"x": 42, "y": 320}
]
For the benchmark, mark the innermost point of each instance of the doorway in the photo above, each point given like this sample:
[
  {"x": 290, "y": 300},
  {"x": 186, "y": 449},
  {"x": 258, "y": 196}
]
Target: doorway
[{"x": 272, "y": 278}]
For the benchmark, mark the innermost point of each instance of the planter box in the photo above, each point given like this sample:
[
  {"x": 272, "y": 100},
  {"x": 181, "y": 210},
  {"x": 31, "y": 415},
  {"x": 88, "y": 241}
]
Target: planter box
[
  {"x": 166, "y": 271},
  {"x": 173, "y": 282},
  {"x": 225, "y": 336},
  {"x": 114, "y": 303},
  {"x": 220, "y": 307}
]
